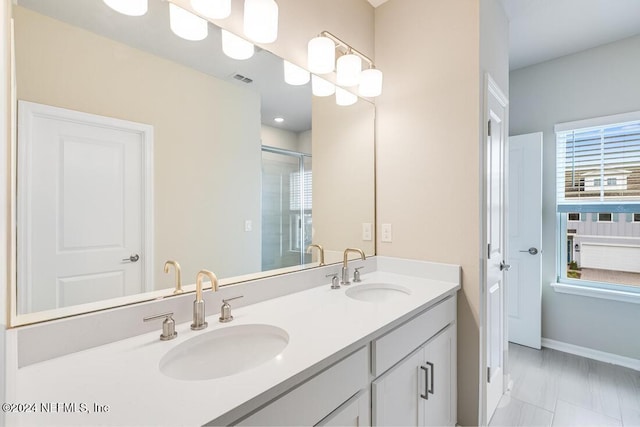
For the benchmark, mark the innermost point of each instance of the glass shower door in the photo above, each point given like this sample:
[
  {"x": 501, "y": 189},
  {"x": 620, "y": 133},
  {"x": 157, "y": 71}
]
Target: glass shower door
[{"x": 286, "y": 208}]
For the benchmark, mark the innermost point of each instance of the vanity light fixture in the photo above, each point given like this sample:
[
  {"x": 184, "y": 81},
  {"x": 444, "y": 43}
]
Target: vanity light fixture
[
  {"x": 187, "y": 25},
  {"x": 261, "y": 20},
  {"x": 236, "y": 47},
  {"x": 348, "y": 69},
  {"x": 321, "y": 55},
  {"x": 214, "y": 9},
  {"x": 345, "y": 98},
  {"x": 128, "y": 7},
  {"x": 321, "y": 60},
  {"x": 294, "y": 75},
  {"x": 322, "y": 87}
]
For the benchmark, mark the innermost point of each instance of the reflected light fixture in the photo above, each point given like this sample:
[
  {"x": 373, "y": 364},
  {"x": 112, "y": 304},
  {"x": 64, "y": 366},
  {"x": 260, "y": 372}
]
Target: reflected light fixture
[
  {"x": 321, "y": 55},
  {"x": 128, "y": 7},
  {"x": 345, "y": 98},
  {"x": 279, "y": 120},
  {"x": 370, "y": 83},
  {"x": 322, "y": 87},
  {"x": 214, "y": 9},
  {"x": 187, "y": 25},
  {"x": 321, "y": 59},
  {"x": 294, "y": 75},
  {"x": 236, "y": 47},
  {"x": 261, "y": 20},
  {"x": 348, "y": 69}
]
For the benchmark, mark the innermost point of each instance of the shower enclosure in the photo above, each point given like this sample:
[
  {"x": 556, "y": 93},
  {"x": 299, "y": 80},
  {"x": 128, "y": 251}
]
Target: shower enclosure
[{"x": 286, "y": 208}]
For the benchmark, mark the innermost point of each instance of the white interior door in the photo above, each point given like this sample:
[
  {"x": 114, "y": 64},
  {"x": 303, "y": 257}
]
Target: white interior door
[
  {"x": 524, "y": 280},
  {"x": 495, "y": 266},
  {"x": 83, "y": 180}
]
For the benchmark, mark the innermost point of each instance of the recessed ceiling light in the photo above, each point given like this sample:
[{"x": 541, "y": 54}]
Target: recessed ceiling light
[{"x": 278, "y": 120}]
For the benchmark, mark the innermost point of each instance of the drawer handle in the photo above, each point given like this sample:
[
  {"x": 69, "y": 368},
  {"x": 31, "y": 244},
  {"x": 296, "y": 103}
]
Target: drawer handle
[
  {"x": 425, "y": 396},
  {"x": 431, "y": 390}
]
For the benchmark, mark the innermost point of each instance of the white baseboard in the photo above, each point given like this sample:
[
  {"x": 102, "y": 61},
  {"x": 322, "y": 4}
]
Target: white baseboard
[{"x": 590, "y": 353}]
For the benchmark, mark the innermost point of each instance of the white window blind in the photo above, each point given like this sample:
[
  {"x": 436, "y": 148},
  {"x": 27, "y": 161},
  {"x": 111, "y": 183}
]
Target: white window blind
[
  {"x": 300, "y": 190},
  {"x": 598, "y": 168}
]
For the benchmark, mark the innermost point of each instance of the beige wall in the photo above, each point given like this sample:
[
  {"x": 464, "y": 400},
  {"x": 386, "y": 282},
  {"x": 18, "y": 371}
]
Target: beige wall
[
  {"x": 206, "y": 138},
  {"x": 343, "y": 174},
  {"x": 287, "y": 140},
  {"x": 428, "y": 156},
  {"x": 5, "y": 265}
]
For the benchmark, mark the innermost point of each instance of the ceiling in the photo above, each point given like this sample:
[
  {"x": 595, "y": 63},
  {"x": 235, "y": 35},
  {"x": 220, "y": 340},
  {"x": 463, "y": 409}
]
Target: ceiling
[{"x": 541, "y": 30}]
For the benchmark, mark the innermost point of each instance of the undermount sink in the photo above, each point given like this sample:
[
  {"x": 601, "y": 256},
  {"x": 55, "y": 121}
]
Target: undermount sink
[
  {"x": 378, "y": 292},
  {"x": 224, "y": 352}
]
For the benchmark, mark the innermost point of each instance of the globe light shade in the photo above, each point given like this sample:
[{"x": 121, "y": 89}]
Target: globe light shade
[
  {"x": 187, "y": 25},
  {"x": 214, "y": 9},
  {"x": 261, "y": 20},
  {"x": 236, "y": 47},
  {"x": 294, "y": 75},
  {"x": 321, "y": 87},
  {"x": 128, "y": 7},
  {"x": 321, "y": 55},
  {"x": 345, "y": 98},
  {"x": 370, "y": 83},
  {"x": 348, "y": 70}
]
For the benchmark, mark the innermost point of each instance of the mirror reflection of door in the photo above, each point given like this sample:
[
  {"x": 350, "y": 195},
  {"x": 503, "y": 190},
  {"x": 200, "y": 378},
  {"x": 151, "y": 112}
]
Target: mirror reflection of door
[
  {"x": 286, "y": 208},
  {"x": 82, "y": 201}
]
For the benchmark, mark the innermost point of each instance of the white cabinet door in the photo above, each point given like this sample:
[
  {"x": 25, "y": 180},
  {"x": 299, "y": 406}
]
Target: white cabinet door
[
  {"x": 353, "y": 413},
  {"x": 396, "y": 400},
  {"x": 440, "y": 407}
]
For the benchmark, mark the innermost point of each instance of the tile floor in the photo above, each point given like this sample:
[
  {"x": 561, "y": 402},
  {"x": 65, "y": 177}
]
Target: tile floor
[{"x": 551, "y": 388}]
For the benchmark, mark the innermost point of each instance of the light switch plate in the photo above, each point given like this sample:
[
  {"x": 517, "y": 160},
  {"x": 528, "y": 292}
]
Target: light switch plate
[
  {"x": 248, "y": 225},
  {"x": 366, "y": 231},
  {"x": 386, "y": 233}
]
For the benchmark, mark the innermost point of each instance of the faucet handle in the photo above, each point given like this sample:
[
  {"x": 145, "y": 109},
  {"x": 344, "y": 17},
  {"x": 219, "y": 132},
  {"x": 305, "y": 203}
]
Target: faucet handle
[
  {"x": 335, "y": 282},
  {"x": 168, "y": 326},
  {"x": 225, "y": 310},
  {"x": 356, "y": 274}
]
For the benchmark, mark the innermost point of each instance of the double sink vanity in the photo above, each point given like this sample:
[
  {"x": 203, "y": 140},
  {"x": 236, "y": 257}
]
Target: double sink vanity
[{"x": 378, "y": 352}]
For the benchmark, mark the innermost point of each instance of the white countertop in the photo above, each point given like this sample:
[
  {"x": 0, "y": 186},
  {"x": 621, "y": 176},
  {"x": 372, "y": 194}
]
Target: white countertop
[{"x": 323, "y": 324}]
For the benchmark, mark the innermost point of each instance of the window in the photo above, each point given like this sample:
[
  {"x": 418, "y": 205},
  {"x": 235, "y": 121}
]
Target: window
[
  {"x": 573, "y": 216},
  {"x": 605, "y": 217},
  {"x": 598, "y": 200}
]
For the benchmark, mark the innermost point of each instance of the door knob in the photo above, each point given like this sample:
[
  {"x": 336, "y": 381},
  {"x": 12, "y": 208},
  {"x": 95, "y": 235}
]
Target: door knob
[
  {"x": 504, "y": 267},
  {"x": 132, "y": 258},
  {"x": 531, "y": 250}
]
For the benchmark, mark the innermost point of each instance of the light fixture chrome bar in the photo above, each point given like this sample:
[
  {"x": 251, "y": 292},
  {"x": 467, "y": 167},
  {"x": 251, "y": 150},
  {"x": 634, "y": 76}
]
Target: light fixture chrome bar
[{"x": 347, "y": 46}]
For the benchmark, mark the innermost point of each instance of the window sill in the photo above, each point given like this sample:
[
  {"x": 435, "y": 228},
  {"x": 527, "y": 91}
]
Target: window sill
[{"x": 593, "y": 292}]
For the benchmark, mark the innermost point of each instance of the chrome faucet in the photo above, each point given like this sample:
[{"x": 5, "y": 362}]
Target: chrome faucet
[
  {"x": 345, "y": 267},
  {"x": 176, "y": 267},
  {"x": 320, "y": 251},
  {"x": 198, "y": 304}
]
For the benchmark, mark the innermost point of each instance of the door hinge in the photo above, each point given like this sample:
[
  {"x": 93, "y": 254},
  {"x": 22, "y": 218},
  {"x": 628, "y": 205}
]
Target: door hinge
[
  {"x": 488, "y": 374},
  {"x": 489, "y": 250},
  {"x": 489, "y": 127}
]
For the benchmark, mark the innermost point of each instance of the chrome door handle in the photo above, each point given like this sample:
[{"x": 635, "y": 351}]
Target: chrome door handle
[
  {"x": 504, "y": 266},
  {"x": 132, "y": 258},
  {"x": 531, "y": 250}
]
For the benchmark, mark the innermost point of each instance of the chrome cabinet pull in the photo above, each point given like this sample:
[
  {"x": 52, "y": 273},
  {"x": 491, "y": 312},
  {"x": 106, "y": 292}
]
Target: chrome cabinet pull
[
  {"x": 531, "y": 251},
  {"x": 425, "y": 396},
  {"x": 431, "y": 390},
  {"x": 132, "y": 258}
]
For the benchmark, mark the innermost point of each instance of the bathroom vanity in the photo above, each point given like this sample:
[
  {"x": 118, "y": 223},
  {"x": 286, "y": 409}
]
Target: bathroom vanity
[{"x": 378, "y": 352}]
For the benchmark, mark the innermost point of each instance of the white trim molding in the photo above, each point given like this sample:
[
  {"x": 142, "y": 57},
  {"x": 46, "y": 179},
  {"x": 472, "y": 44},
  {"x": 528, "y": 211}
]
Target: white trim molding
[
  {"x": 602, "y": 356},
  {"x": 597, "y": 121},
  {"x": 593, "y": 292}
]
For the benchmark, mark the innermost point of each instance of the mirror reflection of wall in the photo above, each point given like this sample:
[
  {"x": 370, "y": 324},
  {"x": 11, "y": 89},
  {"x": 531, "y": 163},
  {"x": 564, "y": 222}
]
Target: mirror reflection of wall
[{"x": 210, "y": 152}]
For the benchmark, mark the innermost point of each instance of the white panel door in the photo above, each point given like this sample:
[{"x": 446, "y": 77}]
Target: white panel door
[
  {"x": 524, "y": 280},
  {"x": 81, "y": 200},
  {"x": 495, "y": 265}
]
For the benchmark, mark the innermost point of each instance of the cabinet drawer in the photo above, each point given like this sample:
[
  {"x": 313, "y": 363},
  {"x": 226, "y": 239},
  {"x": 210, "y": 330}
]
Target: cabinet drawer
[
  {"x": 314, "y": 399},
  {"x": 389, "y": 349}
]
